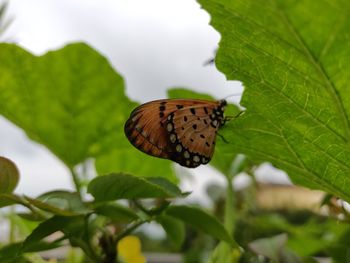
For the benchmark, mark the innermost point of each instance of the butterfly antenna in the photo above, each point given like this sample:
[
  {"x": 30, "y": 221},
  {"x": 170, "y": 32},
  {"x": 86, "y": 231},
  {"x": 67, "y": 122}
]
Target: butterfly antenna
[
  {"x": 209, "y": 62},
  {"x": 232, "y": 95}
]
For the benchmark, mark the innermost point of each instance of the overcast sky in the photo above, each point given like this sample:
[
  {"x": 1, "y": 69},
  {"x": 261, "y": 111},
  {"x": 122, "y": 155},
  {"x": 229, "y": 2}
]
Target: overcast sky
[{"x": 154, "y": 44}]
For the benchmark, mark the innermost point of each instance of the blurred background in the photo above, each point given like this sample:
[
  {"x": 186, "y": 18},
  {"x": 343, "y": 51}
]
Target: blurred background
[{"x": 157, "y": 45}]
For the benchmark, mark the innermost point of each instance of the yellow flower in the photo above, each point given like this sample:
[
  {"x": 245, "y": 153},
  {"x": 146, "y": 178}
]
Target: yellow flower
[{"x": 129, "y": 249}]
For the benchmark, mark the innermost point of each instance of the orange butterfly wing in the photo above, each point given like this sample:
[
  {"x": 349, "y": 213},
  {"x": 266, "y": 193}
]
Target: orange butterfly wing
[{"x": 183, "y": 130}]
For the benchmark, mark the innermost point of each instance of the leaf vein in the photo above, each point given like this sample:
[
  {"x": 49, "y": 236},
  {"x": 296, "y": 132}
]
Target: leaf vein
[{"x": 319, "y": 68}]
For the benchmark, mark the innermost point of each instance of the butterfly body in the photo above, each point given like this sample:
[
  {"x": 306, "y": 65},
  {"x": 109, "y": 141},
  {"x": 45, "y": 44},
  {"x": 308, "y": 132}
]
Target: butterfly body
[{"x": 182, "y": 130}]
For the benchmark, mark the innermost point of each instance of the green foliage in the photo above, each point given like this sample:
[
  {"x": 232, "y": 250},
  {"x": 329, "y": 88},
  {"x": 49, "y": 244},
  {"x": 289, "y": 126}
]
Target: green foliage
[
  {"x": 123, "y": 186},
  {"x": 65, "y": 200},
  {"x": 207, "y": 223},
  {"x": 292, "y": 57},
  {"x": 116, "y": 213},
  {"x": 79, "y": 115},
  {"x": 75, "y": 219},
  {"x": 69, "y": 225},
  {"x": 10, "y": 253},
  {"x": 174, "y": 228}
]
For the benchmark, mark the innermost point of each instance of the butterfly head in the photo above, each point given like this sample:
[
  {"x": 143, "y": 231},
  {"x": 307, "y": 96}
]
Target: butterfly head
[
  {"x": 218, "y": 113},
  {"x": 222, "y": 103}
]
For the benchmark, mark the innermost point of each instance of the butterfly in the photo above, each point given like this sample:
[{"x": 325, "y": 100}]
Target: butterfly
[{"x": 182, "y": 130}]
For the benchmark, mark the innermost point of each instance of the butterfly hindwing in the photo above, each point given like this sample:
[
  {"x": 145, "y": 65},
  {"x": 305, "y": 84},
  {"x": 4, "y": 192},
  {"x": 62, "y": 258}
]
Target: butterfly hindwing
[{"x": 195, "y": 133}]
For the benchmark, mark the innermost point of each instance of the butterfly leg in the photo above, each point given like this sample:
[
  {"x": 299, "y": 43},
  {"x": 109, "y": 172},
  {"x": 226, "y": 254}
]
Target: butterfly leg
[
  {"x": 222, "y": 137},
  {"x": 228, "y": 118}
]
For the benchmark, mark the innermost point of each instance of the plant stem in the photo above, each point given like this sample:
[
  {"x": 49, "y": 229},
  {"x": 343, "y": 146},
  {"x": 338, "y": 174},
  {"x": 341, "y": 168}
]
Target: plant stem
[
  {"x": 230, "y": 215},
  {"x": 90, "y": 246},
  {"x": 12, "y": 227},
  {"x": 76, "y": 182},
  {"x": 128, "y": 230}
]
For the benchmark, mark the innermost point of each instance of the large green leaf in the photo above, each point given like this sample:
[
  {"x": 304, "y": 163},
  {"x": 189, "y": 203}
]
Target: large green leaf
[
  {"x": 292, "y": 57},
  {"x": 69, "y": 100},
  {"x": 72, "y": 101},
  {"x": 124, "y": 186}
]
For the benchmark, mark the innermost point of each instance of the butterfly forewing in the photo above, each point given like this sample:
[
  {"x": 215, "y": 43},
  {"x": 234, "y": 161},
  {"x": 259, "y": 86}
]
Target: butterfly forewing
[{"x": 182, "y": 130}]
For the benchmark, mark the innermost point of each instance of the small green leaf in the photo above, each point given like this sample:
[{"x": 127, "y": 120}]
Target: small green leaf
[
  {"x": 64, "y": 200},
  {"x": 116, "y": 213},
  {"x": 11, "y": 199},
  {"x": 9, "y": 176},
  {"x": 124, "y": 186},
  {"x": 166, "y": 185},
  {"x": 174, "y": 228},
  {"x": 200, "y": 220},
  {"x": 50, "y": 208},
  {"x": 46, "y": 228}
]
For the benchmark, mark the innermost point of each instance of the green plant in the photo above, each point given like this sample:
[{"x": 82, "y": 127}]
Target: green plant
[{"x": 292, "y": 62}]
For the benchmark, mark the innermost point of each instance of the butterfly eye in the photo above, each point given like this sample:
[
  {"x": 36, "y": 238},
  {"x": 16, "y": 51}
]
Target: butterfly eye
[{"x": 181, "y": 130}]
